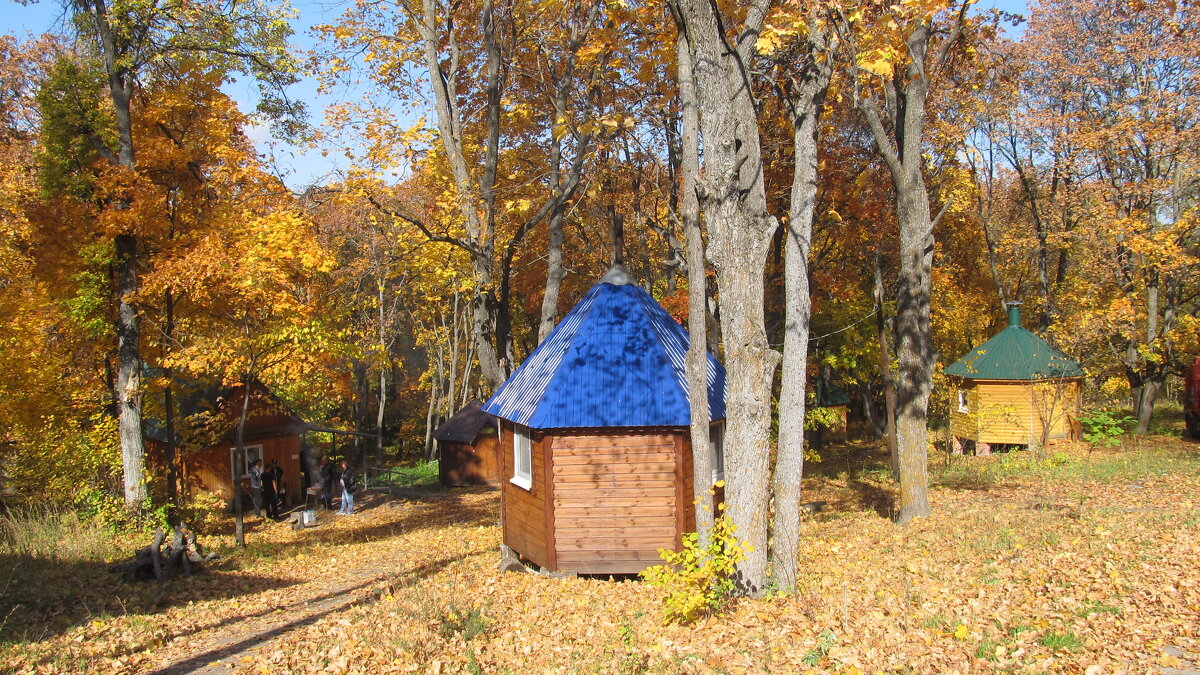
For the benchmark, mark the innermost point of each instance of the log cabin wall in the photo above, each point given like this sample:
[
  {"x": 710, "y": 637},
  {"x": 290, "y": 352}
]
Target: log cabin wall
[
  {"x": 618, "y": 497},
  {"x": 525, "y": 511}
]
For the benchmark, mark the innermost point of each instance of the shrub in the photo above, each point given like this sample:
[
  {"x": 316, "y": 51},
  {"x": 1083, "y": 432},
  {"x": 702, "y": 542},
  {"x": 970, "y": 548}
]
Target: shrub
[
  {"x": 469, "y": 623},
  {"x": 203, "y": 513},
  {"x": 1104, "y": 427},
  {"x": 698, "y": 580}
]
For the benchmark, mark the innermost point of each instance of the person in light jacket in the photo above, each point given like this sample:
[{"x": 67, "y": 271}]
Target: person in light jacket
[{"x": 349, "y": 483}]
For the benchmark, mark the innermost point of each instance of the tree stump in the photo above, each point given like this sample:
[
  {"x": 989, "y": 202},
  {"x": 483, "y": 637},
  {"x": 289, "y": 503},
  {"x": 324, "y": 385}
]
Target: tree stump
[{"x": 154, "y": 562}]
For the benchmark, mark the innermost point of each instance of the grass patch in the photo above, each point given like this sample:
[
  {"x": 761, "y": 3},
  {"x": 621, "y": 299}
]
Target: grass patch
[
  {"x": 1099, "y": 608},
  {"x": 987, "y": 649},
  {"x": 54, "y": 535},
  {"x": 1102, "y": 466},
  {"x": 1060, "y": 641},
  {"x": 422, "y": 476}
]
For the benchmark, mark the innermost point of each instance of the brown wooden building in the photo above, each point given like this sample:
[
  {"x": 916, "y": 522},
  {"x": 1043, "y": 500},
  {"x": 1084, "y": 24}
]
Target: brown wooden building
[
  {"x": 595, "y": 456},
  {"x": 205, "y": 450},
  {"x": 1014, "y": 389},
  {"x": 468, "y": 448}
]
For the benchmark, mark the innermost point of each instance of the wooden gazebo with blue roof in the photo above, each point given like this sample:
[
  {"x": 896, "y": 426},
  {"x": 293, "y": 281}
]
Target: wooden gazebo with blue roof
[
  {"x": 1014, "y": 389},
  {"x": 596, "y": 460}
]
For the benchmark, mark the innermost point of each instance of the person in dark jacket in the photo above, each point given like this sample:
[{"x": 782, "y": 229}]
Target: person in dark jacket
[
  {"x": 272, "y": 481},
  {"x": 349, "y": 484},
  {"x": 325, "y": 482}
]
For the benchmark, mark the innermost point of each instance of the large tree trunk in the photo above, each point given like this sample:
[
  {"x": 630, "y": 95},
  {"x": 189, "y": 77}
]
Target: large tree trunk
[
  {"x": 697, "y": 354},
  {"x": 740, "y": 231},
  {"x": 915, "y": 349},
  {"x": 1147, "y": 394},
  {"x": 900, "y": 144},
  {"x": 805, "y": 107},
  {"x": 129, "y": 362},
  {"x": 885, "y": 370},
  {"x": 129, "y": 378}
]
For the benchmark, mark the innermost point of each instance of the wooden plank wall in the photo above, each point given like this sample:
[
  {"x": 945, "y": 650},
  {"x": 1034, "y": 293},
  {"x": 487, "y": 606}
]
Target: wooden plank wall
[
  {"x": 1012, "y": 412},
  {"x": 525, "y": 511},
  {"x": 464, "y": 464},
  {"x": 964, "y": 424},
  {"x": 616, "y": 500},
  {"x": 208, "y": 470}
]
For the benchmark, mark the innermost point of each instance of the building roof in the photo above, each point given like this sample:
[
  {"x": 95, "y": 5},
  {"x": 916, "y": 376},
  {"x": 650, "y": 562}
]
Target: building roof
[
  {"x": 267, "y": 415},
  {"x": 465, "y": 425},
  {"x": 829, "y": 395},
  {"x": 1015, "y": 354},
  {"x": 615, "y": 360}
]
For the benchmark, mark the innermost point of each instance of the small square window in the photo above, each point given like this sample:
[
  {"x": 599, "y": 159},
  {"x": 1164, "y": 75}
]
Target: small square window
[
  {"x": 963, "y": 406},
  {"x": 522, "y": 458}
]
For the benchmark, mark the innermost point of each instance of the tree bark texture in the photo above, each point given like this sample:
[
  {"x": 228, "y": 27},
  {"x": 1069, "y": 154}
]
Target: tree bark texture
[
  {"x": 740, "y": 231},
  {"x": 885, "y": 370},
  {"x": 697, "y": 355},
  {"x": 804, "y": 105},
  {"x": 129, "y": 362},
  {"x": 899, "y": 142},
  {"x": 129, "y": 377}
]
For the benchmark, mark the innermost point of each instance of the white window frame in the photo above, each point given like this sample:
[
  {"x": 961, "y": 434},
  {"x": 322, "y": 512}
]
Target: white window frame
[
  {"x": 252, "y": 452},
  {"x": 522, "y": 455},
  {"x": 716, "y": 450},
  {"x": 963, "y": 404}
]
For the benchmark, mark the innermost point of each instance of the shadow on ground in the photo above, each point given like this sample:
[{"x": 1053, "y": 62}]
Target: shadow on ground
[
  {"x": 42, "y": 598},
  {"x": 327, "y": 604}
]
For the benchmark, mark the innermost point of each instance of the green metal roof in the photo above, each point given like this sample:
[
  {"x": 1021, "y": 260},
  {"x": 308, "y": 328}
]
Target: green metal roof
[
  {"x": 829, "y": 395},
  {"x": 1014, "y": 354}
]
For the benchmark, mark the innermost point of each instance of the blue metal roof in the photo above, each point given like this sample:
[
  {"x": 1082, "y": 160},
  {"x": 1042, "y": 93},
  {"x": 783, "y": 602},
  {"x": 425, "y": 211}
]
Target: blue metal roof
[{"x": 615, "y": 360}]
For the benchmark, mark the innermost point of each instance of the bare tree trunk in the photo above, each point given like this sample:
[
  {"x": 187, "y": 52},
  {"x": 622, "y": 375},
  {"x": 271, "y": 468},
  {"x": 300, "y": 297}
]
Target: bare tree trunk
[
  {"x": 697, "y": 355},
  {"x": 740, "y": 231},
  {"x": 129, "y": 362},
  {"x": 809, "y": 87},
  {"x": 129, "y": 377},
  {"x": 900, "y": 144},
  {"x": 239, "y": 460},
  {"x": 885, "y": 370},
  {"x": 169, "y": 415},
  {"x": 915, "y": 350},
  {"x": 452, "y": 380},
  {"x": 427, "y": 450},
  {"x": 555, "y": 273},
  {"x": 383, "y": 368},
  {"x": 1147, "y": 395}
]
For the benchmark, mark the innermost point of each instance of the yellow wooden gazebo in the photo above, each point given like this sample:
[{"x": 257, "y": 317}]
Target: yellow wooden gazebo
[{"x": 1013, "y": 389}]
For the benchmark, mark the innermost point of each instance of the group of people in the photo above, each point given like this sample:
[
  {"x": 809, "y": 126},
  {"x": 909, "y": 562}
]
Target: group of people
[
  {"x": 266, "y": 488},
  {"x": 346, "y": 480},
  {"x": 268, "y": 492}
]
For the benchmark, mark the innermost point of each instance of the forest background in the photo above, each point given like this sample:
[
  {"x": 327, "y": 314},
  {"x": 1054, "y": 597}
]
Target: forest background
[{"x": 496, "y": 152}]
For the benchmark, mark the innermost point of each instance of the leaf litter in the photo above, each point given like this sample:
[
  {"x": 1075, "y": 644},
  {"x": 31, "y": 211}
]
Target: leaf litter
[{"x": 1034, "y": 570}]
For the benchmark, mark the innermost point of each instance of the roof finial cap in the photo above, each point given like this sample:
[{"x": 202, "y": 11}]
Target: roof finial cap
[
  {"x": 1014, "y": 314},
  {"x": 617, "y": 276}
]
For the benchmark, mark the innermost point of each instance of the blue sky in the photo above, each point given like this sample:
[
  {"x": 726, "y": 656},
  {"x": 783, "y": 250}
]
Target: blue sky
[{"x": 300, "y": 166}]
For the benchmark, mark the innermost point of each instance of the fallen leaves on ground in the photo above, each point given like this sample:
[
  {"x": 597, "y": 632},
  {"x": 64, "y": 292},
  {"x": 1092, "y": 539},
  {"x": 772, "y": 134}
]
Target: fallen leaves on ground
[{"x": 1075, "y": 571}]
